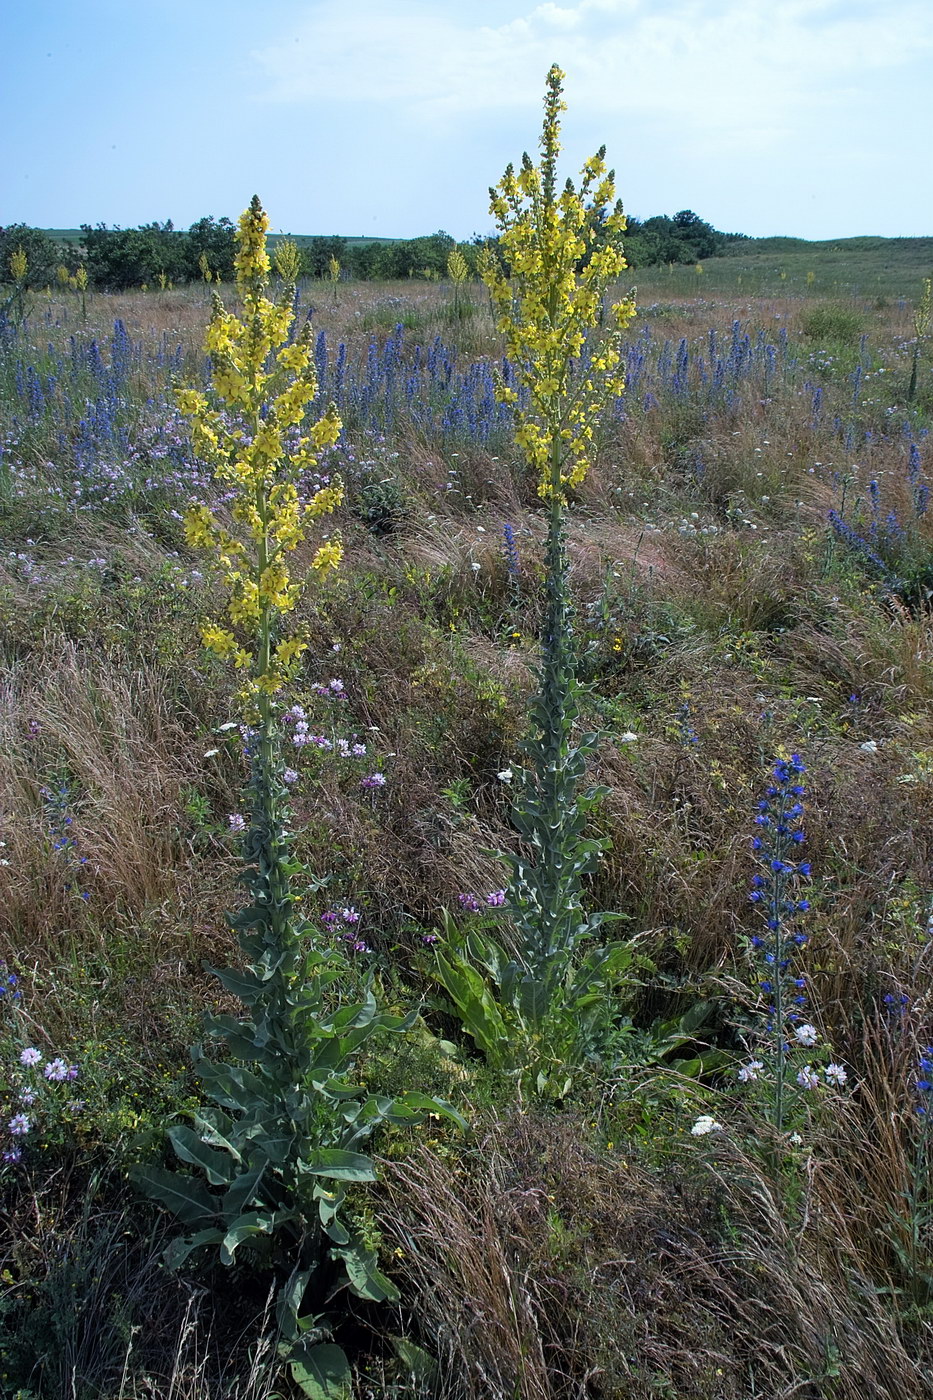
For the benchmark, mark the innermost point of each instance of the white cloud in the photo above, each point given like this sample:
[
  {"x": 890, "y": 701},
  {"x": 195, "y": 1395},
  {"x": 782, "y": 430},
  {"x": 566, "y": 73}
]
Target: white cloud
[
  {"x": 558, "y": 17},
  {"x": 744, "y": 72}
]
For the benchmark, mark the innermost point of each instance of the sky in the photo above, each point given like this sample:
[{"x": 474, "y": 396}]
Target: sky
[{"x": 393, "y": 117}]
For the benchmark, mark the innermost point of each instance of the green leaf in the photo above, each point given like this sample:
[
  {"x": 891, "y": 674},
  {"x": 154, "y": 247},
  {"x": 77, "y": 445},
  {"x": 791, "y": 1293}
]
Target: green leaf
[
  {"x": 338, "y": 1165},
  {"x": 178, "y": 1251},
  {"x": 417, "y": 1362},
  {"x": 481, "y": 1016},
  {"x": 533, "y": 998},
  {"x": 322, "y": 1371},
  {"x": 186, "y": 1197},
  {"x": 241, "y": 983},
  {"x": 217, "y": 1166},
  {"x": 242, "y": 1191},
  {"x": 366, "y": 1280},
  {"x": 253, "y": 1223},
  {"x": 414, "y": 1103},
  {"x": 288, "y": 1303}
]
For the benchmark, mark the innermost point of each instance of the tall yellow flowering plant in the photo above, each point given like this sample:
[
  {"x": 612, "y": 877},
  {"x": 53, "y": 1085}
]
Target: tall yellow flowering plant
[
  {"x": 559, "y": 254},
  {"x": 251, "y": 433},
  {"x": 922, "y": 316},
  {"x": 286, "y": 1125}
]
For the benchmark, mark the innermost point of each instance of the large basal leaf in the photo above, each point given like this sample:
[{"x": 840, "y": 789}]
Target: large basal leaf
[
  {"x": 417, "y": 1362},
  {"x": 288, "y": 1304},
  {"x": 322, "y": 1371},
  {"x": 366, "y": 1280},
  {"x": 184, "y": 1196},
  {"x": 413, "y": 1105},
  {"x": 256, "y": 1222},
  {"x": 481, "y": 1017},
  {"x": 178, "y": 1251},
  {"x": 533, "y": 998},
  {"x": 338, "y": 1165},
  {"x": 242, "y": 1191},
  {"x": 214, "y": 1131},
  {"x": 216, "y": 1165}
]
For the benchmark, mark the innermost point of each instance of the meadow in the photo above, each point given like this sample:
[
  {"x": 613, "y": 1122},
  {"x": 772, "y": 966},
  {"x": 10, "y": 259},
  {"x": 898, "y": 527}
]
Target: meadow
[{"x": 750, "y": 573}]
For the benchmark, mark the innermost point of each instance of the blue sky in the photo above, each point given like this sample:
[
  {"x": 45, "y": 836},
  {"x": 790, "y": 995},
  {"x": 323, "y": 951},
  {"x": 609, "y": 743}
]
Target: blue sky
[{"x": 806, "y": 117}]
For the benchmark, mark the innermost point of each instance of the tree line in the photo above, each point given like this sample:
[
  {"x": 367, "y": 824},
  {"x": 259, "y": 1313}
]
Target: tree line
[{"x": 158, "y": 254}]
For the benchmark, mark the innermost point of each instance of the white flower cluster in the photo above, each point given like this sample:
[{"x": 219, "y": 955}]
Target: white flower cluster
[{"x": 705, "y": 1124}]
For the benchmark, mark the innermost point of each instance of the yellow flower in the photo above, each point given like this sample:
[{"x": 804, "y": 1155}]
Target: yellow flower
[
  {"x": 562, "y": 252},
  {"x": 263, "y": 381},
  {"x": 328, "y": 556}
]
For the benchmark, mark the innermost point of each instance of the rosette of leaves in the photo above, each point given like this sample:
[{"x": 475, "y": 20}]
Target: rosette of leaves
[
  {"x": 286, "y": 1126},
  {"x": 543, "y": 1009}
]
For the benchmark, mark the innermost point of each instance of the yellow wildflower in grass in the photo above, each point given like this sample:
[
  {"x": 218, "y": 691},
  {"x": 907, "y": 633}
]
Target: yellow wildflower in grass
[
  {"x": 923, "y": 313},
  {"x": 18, "y": 264},
  {"x": 458, "y": 271},
  {"x": 563, "y": 251},
  {"x": 288, "y": 260},
  {"x": 333, "y": 271},
  {"x": 457, "y": 268},
  {"x": 249, "y": 429}
]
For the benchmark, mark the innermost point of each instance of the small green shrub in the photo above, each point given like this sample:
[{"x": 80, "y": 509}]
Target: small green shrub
[{"x": 829, "y": 323}]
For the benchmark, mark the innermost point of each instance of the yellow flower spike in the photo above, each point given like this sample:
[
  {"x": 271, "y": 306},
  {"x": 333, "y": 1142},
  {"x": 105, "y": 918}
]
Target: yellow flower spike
[
  {"x": 263, "y": 382},
  {"x": 218, "y": 640},
  {"x": 328, "y": 556},
  {"x": 552, "y": 301},
  {"x": 288, "y": 261}
]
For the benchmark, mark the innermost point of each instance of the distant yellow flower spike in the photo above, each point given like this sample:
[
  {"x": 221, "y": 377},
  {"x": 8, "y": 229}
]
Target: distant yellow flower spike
[
  {"x": 288, "y": 260},
  {"x": 263, "y": 381}
]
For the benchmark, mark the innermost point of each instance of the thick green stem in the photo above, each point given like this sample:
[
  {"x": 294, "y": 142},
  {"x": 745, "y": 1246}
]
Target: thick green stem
[{"x": 914, "y": 364}]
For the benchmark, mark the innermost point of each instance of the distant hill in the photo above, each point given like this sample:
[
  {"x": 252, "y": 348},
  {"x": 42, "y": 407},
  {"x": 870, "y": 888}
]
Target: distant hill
[
  {"x": 73, "y": 235},
  {"x": 906, "y": 248},
  {"x": 862, "y": 267}
]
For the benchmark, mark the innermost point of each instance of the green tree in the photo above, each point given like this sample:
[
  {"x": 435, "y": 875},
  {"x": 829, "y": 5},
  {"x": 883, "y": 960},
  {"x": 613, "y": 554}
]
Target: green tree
[{"x": 43, "y": 254}]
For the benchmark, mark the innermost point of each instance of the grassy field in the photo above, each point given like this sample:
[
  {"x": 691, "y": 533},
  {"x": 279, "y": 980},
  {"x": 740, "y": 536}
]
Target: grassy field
[
  {"x": 861, "y": 268},
  {"x": 752, "y": 573}
]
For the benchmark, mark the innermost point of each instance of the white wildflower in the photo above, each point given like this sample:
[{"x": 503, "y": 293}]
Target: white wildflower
[{"x": 705, "y": 1124}]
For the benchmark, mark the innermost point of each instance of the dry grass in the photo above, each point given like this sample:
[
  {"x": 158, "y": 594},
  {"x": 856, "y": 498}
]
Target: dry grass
[
  {"x": 539, "y": 1268},
  {"x": 536, "y": 1266}
]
